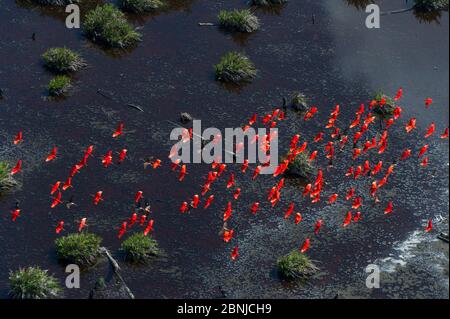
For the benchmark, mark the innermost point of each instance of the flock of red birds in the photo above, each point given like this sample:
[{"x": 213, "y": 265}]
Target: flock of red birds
[{"x": 312, "y": 191}]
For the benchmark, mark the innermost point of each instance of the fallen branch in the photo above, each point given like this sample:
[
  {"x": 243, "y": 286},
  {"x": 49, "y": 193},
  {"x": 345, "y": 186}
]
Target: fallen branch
[
  {"x": 134, "y": 106},
  {"x": 206, "y": 24}
]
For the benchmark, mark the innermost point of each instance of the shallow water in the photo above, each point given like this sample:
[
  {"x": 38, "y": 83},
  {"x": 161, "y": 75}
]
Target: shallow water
[{"x": 335, "y": 60}]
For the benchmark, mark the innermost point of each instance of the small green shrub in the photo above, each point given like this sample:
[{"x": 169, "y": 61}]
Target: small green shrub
[
  {"x": 296, "y": 266},
  {"x": 59, "y": 85},
  {"x": 265, "y": 3},
  {"x": 301, "y": 166},
  {"x": 80, "y": 249},
  {"x": 59, "y": 3},
  {"x": 235, "y": 67},
  {"x": 33, "y": 283},
  {"x": 62, "y": 60},
  {"x": 141, "y": 6},
  {"x": 138, "y": 248},
  {"x": 238, "y": 20},
  {"x": 430, "y": 5},
  {"x": 299, "y": 102},
  {"x": 386, "y": 109},
  {"x": 107, "y": 25},
  {"x": 7, "y": 182}
]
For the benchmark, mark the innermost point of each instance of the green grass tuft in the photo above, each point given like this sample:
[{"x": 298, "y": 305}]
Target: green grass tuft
[
  {"x": 296, "y": 266},
  {"x": 33, "y": 283},
  {"x": 301, "y": 166},
  {"x": 62, "y": 60},
  {"x": 59, "y": 85},
  {"x": 235, "y": 67},
  {"x": 7, "y": 182},
  {"x": 107, "y": 25},
  {"x": 299, "y": 102},
  {"x": 265, "y": 3},
  {"x": 388, "y": 108},
  {"x": 430, "y": 5},
  {"x": 59, "y": 3},
  {"x": 141, "y": 6},
  {"x": 80, "y": 249},
  {"x": 138, "y": 248},
  {"x": 238, "y": 20}
]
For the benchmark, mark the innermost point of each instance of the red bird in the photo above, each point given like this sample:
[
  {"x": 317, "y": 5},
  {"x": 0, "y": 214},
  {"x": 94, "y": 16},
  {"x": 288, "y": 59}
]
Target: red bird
[
  {"x": 423, "y": 150},
  {"x": 82, "y": 224},
  {"x": 305, "y": 246},
  {"x": 52, "y": 155},
  {"x": 445, "y": 134},
  {"x": 350, "y": 194},
  {"x": 122, "y": 155},
  {"x": 319, "y": 137},
  {"x": 377, "y": 168},
  {"x": 227, "y": 213},
  {"x": 228, "y": 235},
  {"x": 255, "y": 208},
  {"x": 138, "y": 196},
  {"x": 389, "y": 208},
  {"x": 253, "y": 119},
  {"x": 310, "y": 113},
  {"x": 208, "y": 202},
  {"x": 15, "y": 214},
  {"x": 56, "y": 200},
  {"x": 411, "y": 125},
  {"x": 235, "y": 253},
  {"x": 119, "y": 130},
  {"x": 184, "y": 207},
  {"x": 424, "y": 163},
  {"x": 357, "y": 217},
  {"x": 429, "y": 226},
  {"x": 406, "y": 154},
  {"x": 289, "y": 211},
  {"x": 55, "y": 187},
  {"x": 348, "y": 219},
  {"x": 98, "y": 197},
  {"x": 244, "y": 166},
  {"x": 67, "y": 184},
  {"x": 318, "y": 226},
  {"x": 195, "y": 201},
  {"x": 237, "y": 193},
  {"x": 313, "y": 156},
  {"x": 357, "y": 203},
  {"x": 122, "y": 230},
  {"x": 430, "y": 130},
  {"x": 19, "y": 138},
  {"x": 399, "y": 94},
  {"x": 298, "y": 218},
  {"x": 17, "y": 168},
  {"x": 230, "y": 181},
  {"x": 428, "y": 102},
  {"x": 182, "y": 173},
  {"x": 60, "y": 227},
  {"x": 149, "y": 227},
  {"x": 107, "y": 159},
  {"x": 332, "y": 198}
]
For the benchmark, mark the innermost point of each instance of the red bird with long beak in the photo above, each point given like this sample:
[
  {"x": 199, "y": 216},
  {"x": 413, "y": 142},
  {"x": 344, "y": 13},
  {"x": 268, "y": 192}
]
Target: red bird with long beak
[
  {"x": 430, "y": 130},
  {"x": 389, "y": 209},
  {"x": 332, "y": 198},
  {"x": 182, "y": 173},
  {"x": 428, "y": 102},
  {"x": 52, "y": 155},
  {"x": 17, "y": 168},
  {"x": 18, "y": 139},
  {"x": 122, "y": 230},
  {"x": 305, "y": 246},
  {"x": 119, "y": 130},
  {"x": 423, "y": 150},
  {"x": 67, "y": 184},
  {"x": 253, "y": 119},
  {"x": 289, "y": 211},
  {"x": 60, "y": 227},
  {"x": 254, "y": 208},
  {"x": 424, "y": 162},
  {"x": 195, "y": 201},
  {"x": 298, "y": 218},
  {"x": 228, "y": 235},
  {"x": 230, "y": 181},
  {"x": 237, "y": 193},
  {"x": 227, "y": 213},
  {"x": 310, "y": 113},
  {"x": 122, "y": 155},
  {"x": 107, "y": 159},
  {"x": 184, "y": 207},
  {"x": 98, "y": 197},
  {"x": 399, "y": 94},
  {"x": 55, "y": 187},
  {"x": 350, "y": 194}
]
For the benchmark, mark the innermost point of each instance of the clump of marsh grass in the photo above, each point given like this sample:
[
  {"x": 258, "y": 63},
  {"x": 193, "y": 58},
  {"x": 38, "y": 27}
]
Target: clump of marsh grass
[
  {"x": 235, "y": 67},
  {"x": 430, "y": 5},
  {"x": 7, "y": 182},
  {"x": 299, "y": 102},
  {"x": 385, "y": 105},
  {"x": 59, "y": 3},
  {"x": 141, "y": 6},
  {"x": 59, "y": 85},
  {"x": 81, "y": 249},
  {"x": 296, "y": 266},
  {"x": 266, "y": 3},
  {"x": 238, "y": 20},
  {"x": 62, "y": 60},
  {"x": 107, "y": 25},
  {"x": 301, "y": 167},
  {"x": 138, "y": 248},
  {"x": 33, "y": 283}
]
